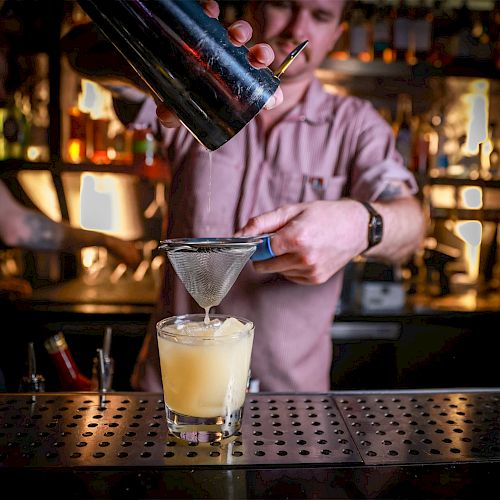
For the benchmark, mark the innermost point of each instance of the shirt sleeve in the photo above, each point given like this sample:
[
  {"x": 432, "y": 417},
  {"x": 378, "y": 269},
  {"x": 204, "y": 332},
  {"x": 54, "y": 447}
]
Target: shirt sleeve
[{"x": 376, "y": 163}]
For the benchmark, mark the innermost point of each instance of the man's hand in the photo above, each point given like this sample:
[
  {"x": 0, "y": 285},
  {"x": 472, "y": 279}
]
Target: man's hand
[
  {"x": 313, "y": 241},
  {"x": 125, "y": 251},
  {"x": 260, "y": 55}
]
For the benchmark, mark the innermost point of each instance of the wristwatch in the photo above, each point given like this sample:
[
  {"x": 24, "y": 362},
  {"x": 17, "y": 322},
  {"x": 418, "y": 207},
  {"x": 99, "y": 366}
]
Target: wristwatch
[{"x": 375, "y": 226}]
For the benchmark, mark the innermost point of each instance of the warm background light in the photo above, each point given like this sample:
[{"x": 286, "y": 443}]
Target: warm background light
[
  {"x": 39, "y": 186},
  {"x": 471, "y": 233}
]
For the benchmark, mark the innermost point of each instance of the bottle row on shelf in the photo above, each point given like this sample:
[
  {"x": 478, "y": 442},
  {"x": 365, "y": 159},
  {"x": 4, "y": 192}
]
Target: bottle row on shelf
[
  {"x": 94, "y": 140},
  {"x": 446, "y": 142},
  {"x": 97, "y": 140},
  {"x": 23, "y": 133},
  {"x": 432, "y": 31}
]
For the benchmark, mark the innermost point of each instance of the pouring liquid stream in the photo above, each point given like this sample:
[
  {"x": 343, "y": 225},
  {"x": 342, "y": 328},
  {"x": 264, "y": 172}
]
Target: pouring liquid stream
[
  {"x": 207, "y": 317},
  {"x": 209, "y": 190}
]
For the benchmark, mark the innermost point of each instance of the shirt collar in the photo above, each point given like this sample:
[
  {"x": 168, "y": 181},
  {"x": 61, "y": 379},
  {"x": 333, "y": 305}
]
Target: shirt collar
[{"x": 314, "y": 108}]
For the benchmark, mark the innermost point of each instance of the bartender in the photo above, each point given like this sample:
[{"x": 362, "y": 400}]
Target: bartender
[{"x": 321, "y": 171}]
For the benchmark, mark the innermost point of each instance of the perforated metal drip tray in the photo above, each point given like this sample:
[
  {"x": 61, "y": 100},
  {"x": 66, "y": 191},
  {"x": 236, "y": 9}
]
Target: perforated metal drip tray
[
  {"x": 129, "y": 430},
  {"x": 413, "y": 427}
]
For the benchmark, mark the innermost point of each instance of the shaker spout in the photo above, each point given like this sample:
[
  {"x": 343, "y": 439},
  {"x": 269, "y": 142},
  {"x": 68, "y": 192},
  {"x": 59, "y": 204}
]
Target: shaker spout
[{"x": 290, "y": 58}]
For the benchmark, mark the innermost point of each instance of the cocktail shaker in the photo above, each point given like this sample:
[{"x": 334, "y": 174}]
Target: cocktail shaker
[{"x": 188, "y": 62}]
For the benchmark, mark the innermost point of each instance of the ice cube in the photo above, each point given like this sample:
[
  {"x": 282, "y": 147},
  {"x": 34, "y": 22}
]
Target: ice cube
[
  {"x": 231, "y": 326},
  {"x": 196, "y": 329}
]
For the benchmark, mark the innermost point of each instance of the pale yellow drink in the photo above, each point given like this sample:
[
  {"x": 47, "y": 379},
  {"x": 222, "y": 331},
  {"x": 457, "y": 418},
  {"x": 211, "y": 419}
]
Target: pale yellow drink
[{"x": 205, "y": 368}]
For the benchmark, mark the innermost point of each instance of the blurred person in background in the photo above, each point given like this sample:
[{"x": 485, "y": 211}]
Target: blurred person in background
[
  {"x": 25, "y": 228},
  {"x": 303, "y": 169}
]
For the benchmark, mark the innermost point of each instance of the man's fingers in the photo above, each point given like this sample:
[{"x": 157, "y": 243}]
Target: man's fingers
[
  {"x": 260, "y": 55},
  {"x": 275, "y": 100},
  {"x": 240, "y": 33},
  {"x": 270, "y": 222},
  {"x": 278, "y": 264},
  {"x": 167, "y": 117},
  {"x": 211, "y": 8}
]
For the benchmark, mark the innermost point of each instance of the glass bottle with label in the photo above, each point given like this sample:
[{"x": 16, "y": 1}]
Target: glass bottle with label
[{"x": 70, "y": 376}]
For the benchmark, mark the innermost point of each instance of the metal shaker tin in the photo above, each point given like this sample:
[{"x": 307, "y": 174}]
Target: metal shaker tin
[{"x": 188, "y": 63}]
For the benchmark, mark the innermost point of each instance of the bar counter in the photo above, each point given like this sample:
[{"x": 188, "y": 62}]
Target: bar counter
[{"x": 352, "y": 444}]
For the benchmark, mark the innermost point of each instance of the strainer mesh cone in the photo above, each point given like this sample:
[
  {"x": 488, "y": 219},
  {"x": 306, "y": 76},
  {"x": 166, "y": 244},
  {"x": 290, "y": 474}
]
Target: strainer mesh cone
[{"x": 208, "y": 270}]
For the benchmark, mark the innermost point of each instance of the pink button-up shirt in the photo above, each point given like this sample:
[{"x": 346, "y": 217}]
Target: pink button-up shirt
[{"x": 327, "y": 147}]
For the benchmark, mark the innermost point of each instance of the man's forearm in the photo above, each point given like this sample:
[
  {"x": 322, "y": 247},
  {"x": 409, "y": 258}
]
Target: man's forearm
[{"x": 33, "y": 231}]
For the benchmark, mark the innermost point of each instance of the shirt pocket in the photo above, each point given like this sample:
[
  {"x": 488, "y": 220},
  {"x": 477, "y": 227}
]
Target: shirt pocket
[{"x": 298, "y": 188}]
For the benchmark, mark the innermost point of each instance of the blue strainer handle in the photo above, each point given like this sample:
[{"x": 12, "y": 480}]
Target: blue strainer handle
[{"x": 264, "y": 250}]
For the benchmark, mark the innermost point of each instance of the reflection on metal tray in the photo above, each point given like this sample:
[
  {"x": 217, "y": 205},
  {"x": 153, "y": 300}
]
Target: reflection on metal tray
[{"x": 129, "y": 430}]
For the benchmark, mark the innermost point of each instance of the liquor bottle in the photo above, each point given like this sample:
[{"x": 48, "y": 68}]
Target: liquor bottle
[
  {"x": 462, "y": 40},
  {"x": 422, "y": 32},
  {"x": 100, "y": 141},
  {"x": 495, "y": 152},
  {"x": 382, "y": 33},
  {"x": 424, "y": 137},
  {"x": 14, "y": 130},
  {"x": 438, "y": 156},
  {"x": 78, "y": 135},
  {"x": 402, "y": 30},
  {"x": 403, "y": 128},
  {"x": 490, "y": 262},
  {"x": 122, "y": 147},
  {"x": 35, "y": 109},
  {"x": 359, "y": 34},
  {"x": 441, "y": 53},
  {"x": 70, "y": 376},
  {"x": 482, "y": 48}
]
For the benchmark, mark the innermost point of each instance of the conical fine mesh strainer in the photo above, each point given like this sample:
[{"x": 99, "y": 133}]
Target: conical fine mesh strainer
[{"x": 208, "y": 267}]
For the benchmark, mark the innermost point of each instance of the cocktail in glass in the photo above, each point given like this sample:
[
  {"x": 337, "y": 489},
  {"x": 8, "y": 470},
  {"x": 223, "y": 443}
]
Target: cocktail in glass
[{"x": 205, "y": 372}]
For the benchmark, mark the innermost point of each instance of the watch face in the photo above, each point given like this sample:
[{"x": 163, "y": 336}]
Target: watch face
[
  {"x": 375, "y": 226},
  {"x": 377, "y": 229}
]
